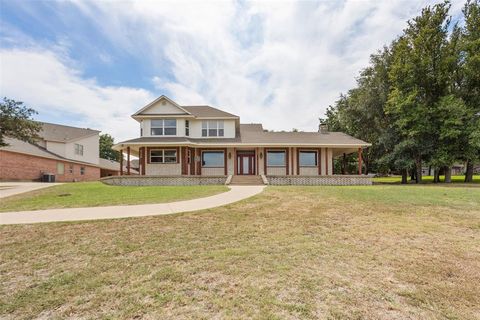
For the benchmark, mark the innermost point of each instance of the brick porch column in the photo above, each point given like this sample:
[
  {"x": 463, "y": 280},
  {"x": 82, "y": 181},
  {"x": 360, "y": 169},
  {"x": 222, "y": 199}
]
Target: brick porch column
[
  {"x": 128, "y": 160},
  {"x": 359, "y": 161},
  {"x": 121, "y": 162}
]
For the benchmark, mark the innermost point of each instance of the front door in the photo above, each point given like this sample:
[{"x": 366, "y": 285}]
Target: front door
[{"x": 246, "y": 163}]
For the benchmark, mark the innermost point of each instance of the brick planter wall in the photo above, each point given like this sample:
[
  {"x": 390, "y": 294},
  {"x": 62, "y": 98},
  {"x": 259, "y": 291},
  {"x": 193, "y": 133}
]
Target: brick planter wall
[
  {"x": 164, "y": 180},
  {"x": 335, "y": 180}
]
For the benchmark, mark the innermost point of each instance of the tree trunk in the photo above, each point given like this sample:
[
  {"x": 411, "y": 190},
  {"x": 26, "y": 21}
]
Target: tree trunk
[
  {"x": 436, "y": 175},
  {"x": 448, "y": 174},
  {"x": 404, "y": 176},
  {"x": 412, "y": 175},
  {"x": 418, "y": 163},
  {"x": 469, "y": 172}
]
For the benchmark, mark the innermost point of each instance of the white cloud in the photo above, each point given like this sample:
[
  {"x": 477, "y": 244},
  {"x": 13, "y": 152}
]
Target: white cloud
[
  {"x": 279, "y": 63},
  {"x": 43, "y": 80}
]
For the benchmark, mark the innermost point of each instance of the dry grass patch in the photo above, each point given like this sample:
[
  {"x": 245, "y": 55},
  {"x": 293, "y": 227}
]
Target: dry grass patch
[{"x": 291, "y": 252}]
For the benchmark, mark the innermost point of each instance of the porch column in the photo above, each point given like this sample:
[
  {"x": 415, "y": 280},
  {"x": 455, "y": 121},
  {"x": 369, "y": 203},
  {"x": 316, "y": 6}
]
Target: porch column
[
  {"x": 121, "y": 162},
  {"x": 344, "y": 164},
  {"x": 128, "y": 160},
  {"x": 359, "y": 161},
  {"x": 288, "y": 162},
  {"x": 234, "y": 161},
  {"x": 144, "y": 160}
]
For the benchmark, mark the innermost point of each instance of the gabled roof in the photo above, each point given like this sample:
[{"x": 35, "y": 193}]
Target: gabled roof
[
  {"x": 162, "y": 97},
  {"x": 195, "y": 111},
  {"x": 61, "y": 133},
  {"x": 253, "y": 134},
  {"x": 208, "y": 112}
]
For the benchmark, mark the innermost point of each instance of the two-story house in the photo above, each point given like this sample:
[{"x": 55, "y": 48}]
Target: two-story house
[
  {"x": 69, "y": 153},
  {"x": 180, "y": 140}
]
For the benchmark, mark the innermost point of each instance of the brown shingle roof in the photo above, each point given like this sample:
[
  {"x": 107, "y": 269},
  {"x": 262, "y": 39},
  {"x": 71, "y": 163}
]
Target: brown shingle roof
[
  {"x": 253, "y": 134},
  {"x": 61, "y": 133},
  {"x": 207, "y": 112}
]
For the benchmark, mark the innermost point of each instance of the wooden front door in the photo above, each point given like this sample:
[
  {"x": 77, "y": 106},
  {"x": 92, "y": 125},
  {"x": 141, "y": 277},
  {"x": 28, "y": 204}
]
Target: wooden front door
[{"x": 246, "y": 163}]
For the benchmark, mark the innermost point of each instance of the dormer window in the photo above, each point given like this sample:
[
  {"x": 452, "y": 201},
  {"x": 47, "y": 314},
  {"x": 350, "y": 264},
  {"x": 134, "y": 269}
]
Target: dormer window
[
  {"x": 212, "y": 128},
  {"x": 164, "y": 127}
]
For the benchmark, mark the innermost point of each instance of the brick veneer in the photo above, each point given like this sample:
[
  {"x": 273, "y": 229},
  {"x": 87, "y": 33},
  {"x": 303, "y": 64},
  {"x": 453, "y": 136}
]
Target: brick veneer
[
  {"x": 164, "y": 180},
  {"x": 335, "y": 180},
  {"x": 19, "y": 166}
]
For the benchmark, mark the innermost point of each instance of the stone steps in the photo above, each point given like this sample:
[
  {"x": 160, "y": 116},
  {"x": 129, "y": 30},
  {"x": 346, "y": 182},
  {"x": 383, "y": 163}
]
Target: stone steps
[{"x": 246, "y": 180}]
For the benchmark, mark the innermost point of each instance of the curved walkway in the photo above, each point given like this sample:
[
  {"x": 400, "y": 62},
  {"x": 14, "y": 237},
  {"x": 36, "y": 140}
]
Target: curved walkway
[{"x": 236, "y": 193}]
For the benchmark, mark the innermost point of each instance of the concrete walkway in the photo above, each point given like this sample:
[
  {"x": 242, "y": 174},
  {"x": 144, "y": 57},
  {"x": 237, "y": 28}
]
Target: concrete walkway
[
  {"x": 236, "y": 193},
  {"x": 8, "y": 189}
]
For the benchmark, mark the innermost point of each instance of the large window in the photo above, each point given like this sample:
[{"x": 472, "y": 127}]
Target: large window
[
  {"x": 78, "y": 149},
  {"x": 212, "y": 128},
  {"x": 308, "y": 158},
  {"x": 276, "y": 158},
  {"x": 163, "y": 156},
  {"x": 163, "y": 127},
  {"x": 213, "y": 159}
]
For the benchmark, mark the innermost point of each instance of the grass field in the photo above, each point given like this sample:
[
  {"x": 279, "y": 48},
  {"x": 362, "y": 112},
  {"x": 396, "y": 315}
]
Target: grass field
[
  {"x": 427, "y": 179},
  {"x": 94, "y": 194},
  {"x": 377, "y": 252}
]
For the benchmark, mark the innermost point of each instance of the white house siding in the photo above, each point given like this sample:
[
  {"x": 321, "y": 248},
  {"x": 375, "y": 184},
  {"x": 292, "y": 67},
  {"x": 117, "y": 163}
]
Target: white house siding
[
  {"x": 146, "y": 126},
  {"x": 165, "y": 169},
  {"x": 330, "y": 161},
  {"x": 90, "y": 149},
  {"x": 261, "y": 161},
  {"x": 231, "y": 161},
  {"x": 163, "y": 107},
  {"x": 213, "y": 171},
  {"x": 196, "y": 129},
  {"x": 57, "y": 147},
  {"x": 308, "y": 171},
  {"x": 276, "y": 171}
]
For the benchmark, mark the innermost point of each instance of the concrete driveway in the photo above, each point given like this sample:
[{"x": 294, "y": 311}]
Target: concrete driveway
[
  {"x": 8, "y": 189},
  {"x": 236, "y": 193}
]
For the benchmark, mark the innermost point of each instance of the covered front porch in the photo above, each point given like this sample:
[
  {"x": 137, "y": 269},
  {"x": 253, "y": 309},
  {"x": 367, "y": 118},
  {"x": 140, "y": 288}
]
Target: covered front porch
[{"x": 187, "y": 160}]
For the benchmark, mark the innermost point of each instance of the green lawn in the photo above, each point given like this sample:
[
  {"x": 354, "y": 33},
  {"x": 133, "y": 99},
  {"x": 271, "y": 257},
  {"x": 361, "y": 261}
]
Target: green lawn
[
  {"x": 93, "y": 194},
  {"x": 372, "y": 252},
  {"x": 428, "y": 179}
]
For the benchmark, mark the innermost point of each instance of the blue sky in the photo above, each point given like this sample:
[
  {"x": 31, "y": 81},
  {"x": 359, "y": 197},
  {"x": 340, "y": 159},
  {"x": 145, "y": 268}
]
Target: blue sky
[{"x": 93, "y": 64}]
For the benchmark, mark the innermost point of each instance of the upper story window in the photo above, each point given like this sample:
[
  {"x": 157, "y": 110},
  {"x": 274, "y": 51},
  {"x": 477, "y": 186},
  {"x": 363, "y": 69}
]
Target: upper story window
[
  {"x": 78, "y": 149},
  {"x": 212, "y": 128},
  {"x": 187, "y": 128},
  {"x": 164, "y": 127}
]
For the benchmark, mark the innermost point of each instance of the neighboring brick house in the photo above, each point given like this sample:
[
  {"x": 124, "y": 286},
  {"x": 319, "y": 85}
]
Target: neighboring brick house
[{"x": 69, "y": 153}]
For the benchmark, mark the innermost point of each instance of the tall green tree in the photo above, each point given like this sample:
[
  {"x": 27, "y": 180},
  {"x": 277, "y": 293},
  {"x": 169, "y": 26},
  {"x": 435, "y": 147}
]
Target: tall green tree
[
  {"x": 106, "y": 148},
  {"x": 419, "y": 77},
  {"x": 470, "y": 85},
  {"x": 16, "y": 122}
]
